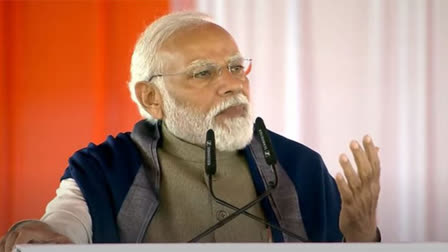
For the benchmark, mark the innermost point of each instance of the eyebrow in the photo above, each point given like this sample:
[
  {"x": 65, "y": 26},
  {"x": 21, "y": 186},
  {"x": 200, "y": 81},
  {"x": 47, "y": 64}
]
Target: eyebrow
[
  {"x": 202, "y": 62},
  {"x": 199, "y": 62},
  {"x": 235, "y": 57}
]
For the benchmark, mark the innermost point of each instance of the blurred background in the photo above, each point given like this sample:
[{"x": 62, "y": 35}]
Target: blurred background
[{"x": 324, "y": 72}]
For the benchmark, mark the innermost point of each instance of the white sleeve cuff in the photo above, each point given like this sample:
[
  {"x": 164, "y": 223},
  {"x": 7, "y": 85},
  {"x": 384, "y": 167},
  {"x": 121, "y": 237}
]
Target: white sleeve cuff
[{"x": 68, "y": 213}]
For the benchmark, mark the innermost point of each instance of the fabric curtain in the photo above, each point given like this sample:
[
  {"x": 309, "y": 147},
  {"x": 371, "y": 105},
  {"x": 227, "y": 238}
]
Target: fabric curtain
[
  {"x": 64, "y": 67},
  {"x": 326, "y": 72}
]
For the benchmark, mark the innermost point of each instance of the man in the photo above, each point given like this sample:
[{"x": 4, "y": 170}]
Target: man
[{"x": 188, "y": 76}]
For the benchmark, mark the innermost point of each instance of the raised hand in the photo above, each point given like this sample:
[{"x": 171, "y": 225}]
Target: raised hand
[{"x": 359, "y": 192}]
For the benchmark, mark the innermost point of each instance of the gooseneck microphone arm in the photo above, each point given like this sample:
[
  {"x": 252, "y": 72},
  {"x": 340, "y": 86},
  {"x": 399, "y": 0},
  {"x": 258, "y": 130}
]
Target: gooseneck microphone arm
[
  {"x": 233, "y": 215},
  {"x": 261, "y": 220},
  {"x": 271, "y": 159},
  {"x": 210, "y": 168}
]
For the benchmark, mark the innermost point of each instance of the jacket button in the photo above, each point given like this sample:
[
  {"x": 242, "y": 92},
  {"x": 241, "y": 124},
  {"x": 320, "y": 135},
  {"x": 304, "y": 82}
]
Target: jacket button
[{"x": 221, "y": 214}]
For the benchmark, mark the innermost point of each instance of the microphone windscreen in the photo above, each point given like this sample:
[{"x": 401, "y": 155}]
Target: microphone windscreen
[
  {"x": 210, "y": 153},
  {"x": 268, "y": 150}
]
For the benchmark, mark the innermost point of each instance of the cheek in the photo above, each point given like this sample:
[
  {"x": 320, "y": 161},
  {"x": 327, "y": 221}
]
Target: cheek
[
  {"x": 203, "y": 100},
  {"x": 246, "y": 89}
]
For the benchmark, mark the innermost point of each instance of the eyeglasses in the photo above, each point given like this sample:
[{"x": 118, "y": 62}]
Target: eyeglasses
[{"x": 204, "y": 71}]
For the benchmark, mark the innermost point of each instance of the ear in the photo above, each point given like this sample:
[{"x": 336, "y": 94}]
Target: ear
[{"x": 149, "y": 97}]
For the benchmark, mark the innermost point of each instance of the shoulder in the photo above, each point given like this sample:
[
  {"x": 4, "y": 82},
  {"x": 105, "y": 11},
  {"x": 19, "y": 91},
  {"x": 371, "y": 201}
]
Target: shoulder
[
  {"x": 302, "y": 164},
  {"x": 112, "y": 154},
  {"x": 290, "y": 152},
  {"x": 104, "y": 173},
  {"x": 107, "y": 151}
]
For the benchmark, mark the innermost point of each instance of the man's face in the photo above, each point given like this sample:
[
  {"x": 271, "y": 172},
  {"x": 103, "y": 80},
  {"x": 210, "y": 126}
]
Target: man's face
[
  {"x": 206, "y": 43},
  {"x": 195, "y": 102}
]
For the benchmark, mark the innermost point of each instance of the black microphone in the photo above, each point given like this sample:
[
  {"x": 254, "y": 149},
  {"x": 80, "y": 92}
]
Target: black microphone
[
  {"x": 256, "y": 218},
  {"x": 210, "y": 168},
  {"x": 271, "y": 159},
  {"x": 262, "y": 133},
  {"x": 210, "y": 153}
]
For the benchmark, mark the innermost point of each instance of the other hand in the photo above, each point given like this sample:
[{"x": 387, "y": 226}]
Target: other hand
[
  {"x": 31, "y": 232},
  {"x": 359, "y": 192}
]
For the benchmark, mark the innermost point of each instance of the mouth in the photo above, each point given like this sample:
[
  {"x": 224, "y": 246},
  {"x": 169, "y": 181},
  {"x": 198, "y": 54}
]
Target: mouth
[{"x": 233, "y": 111}]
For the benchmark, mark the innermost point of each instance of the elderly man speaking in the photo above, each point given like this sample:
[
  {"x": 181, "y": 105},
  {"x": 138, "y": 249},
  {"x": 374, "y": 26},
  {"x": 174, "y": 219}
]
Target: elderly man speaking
[{"x": 189, "y": 81}]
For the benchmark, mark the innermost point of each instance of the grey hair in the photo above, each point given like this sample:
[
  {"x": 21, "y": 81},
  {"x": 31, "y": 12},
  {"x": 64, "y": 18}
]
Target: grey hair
[{"x": 145, "y": 60}]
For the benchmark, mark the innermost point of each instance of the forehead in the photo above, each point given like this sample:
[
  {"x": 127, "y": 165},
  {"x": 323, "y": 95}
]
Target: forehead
[{"x": 202, "y": 42}]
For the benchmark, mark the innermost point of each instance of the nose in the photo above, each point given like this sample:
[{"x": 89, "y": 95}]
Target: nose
[{"x": 229, "y": 84}]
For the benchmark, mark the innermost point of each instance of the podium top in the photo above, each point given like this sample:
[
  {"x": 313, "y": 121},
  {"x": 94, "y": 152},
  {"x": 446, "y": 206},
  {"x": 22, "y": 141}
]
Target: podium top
[{"x": 225, "y": 247}]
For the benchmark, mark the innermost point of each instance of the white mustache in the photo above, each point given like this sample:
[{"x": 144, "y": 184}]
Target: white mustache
[{"x": 236, "y": 100}]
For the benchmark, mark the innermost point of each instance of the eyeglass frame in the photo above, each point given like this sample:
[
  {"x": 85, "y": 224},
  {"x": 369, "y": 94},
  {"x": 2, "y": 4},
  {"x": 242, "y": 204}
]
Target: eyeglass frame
[{"x": 228, "y": 66}]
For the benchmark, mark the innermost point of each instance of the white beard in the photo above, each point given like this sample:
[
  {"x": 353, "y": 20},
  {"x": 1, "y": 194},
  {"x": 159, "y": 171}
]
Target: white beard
[{"x": 188, "y": 124}]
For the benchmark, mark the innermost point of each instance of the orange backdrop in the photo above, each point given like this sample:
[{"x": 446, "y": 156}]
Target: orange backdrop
[{"x": 63, "y": 72}]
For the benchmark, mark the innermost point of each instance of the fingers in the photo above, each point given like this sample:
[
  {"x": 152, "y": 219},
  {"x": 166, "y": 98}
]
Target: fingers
[
  {"x": 344, "y": 189},
  {"x": 62, "y": 240},
  {"x": 359, "y": 195},
  {"x": 10, "y": 241},
  {"x": 31, "y": 232},
  {"x": 362, "y": 162},
  {"x": 2, "y": 243},
  {"x": 372, "y": 154},
  {"x": 22, "y": 238},
  {"x": 352, "y": 178},
  {"x": 58, "y": 239},
  {"x": 365, "y": 184}
]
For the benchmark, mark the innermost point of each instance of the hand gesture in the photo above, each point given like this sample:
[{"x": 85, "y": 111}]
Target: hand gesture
[{"x": 359, "y": 192}]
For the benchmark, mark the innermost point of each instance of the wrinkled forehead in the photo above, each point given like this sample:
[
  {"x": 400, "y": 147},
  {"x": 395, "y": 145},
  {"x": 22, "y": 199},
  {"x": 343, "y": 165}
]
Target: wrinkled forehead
[{"x": 205, "y": 42}]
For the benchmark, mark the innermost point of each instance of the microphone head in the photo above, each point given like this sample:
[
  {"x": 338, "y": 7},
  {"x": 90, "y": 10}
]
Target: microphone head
[
  {"x": 210, "y": 153},
  {"x": 268, "y": 150}
]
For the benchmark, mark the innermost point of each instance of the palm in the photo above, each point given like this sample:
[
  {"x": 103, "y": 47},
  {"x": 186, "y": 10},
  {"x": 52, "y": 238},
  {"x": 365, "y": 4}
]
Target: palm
[{"x": 359, "y": 192}]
